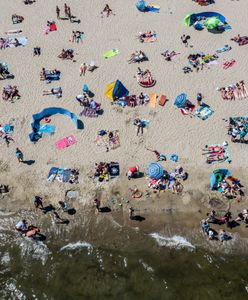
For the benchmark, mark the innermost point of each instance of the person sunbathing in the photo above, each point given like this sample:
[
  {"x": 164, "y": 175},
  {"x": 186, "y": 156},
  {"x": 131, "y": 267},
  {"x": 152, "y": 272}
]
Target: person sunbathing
[
  {"x": 243, "y": 89},
  {"x": 236, "y": 38},
  {"x": 168, "y": 56},
  {"x": 216, "y": 158},
  {"x": 107, "y": 11}
]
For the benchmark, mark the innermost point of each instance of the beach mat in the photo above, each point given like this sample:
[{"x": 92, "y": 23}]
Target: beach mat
[
  {"x": 111, "y": 53},
  {"x": 106, "y": 141},
  {"x": 65, "y": 142},
  {"x": 224, "y": 151},
  {"x": 153, "y": 98},
  {"x": 162, "y": 100},
  {"x": 203, "y": 112}
]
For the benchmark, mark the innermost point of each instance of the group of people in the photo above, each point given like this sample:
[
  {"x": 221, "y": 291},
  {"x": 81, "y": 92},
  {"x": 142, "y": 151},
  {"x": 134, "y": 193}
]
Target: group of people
[
  {"x": 144, "y": 35},
  {"x": 66, "y": 54},
  {"x": 237, "y": 130},
  {"x": 226, "y": 218},
  {"x": 230, "y": 187},
  {"x": 10, "y": 93},
  {"x": 144, "y": 77},
  {"x": 169, "y": 55},
  {"x": 102, "y": 171},
  {"x": 234, "y": 91},
  {"x": 199, "y": 60}
]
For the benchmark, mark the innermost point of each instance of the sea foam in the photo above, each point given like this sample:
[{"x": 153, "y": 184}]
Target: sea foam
[{"x": 176, "y": 241}]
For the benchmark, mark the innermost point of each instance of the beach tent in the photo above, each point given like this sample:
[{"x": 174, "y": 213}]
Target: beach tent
[
  {"x": 212, "y": 23},
  {"x": 141, "y": 5},
  {"x": 190, "y": 19},
  {"x": 217, "y": 176},
  {"x": 116, "y": 90},
  {"x": 155, "y": 171},
  {"x": 47, "y": 112}
]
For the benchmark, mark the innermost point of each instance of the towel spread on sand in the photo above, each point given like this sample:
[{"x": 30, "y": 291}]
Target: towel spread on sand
[
  {"x": 112, "y": 142},
  {"x": 111, "y": 53},
  {"x": 153, "y": 98},
  {"x": 65, "y": 142}
]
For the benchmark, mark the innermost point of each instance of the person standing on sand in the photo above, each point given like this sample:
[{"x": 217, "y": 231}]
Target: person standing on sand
[
  {"x": 19, "y": 155},
  {"x": 199, "y": 99},
  {"x": 66, "y": 10},
  {"x": 130, "y": 213},
  {"x": 83, "y": 69},
  {"x": 97, "y": 204},
  {"x": 69, "y": 13},
  {"x": 58, "y": 12},
  {"x": 38, "y": 202}
]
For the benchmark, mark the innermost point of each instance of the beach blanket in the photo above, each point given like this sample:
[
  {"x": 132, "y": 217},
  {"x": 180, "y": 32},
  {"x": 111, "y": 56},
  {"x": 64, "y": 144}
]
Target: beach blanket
[
  {"x": 153, "y": 98},
  {"x": 62, "y": 175},
  {"x": 111, "y": 53},
  {"x": 89, "y": 112},
  {"x": 224, "y": 49},
  {"x": 216, "y": 153},
  {"x": 65, "y": 142},
  {"x": 10, "y": 42},
  {"x": 109, "y": 142},
  {"x": 47, "y": 128},
  {"x": 203, "y": 112}
]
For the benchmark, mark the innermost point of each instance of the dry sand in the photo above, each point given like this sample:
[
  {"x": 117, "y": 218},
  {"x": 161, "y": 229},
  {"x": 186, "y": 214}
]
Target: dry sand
[{"x": 169, "y": 131}]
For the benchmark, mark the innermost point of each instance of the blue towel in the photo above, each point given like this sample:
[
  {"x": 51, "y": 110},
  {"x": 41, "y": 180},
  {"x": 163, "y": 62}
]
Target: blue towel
[{"x": 47, "y": 128}]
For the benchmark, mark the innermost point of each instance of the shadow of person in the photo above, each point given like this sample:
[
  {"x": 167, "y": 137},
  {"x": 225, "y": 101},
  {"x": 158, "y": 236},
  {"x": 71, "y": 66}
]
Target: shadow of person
[
  {"x": 138, "y": 218},
  {"x": 48, "y": 208},
  {"x": 232, "y": 224},
  {"x": 29, "y": 162},
  {"x": 71, "y": 211},
  {"x": 63, "y": 221},
  {"x": 104, "y": 209}
]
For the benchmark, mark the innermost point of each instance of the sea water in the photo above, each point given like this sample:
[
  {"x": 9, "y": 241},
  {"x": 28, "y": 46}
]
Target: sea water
[{"x": 135, "y": 266}]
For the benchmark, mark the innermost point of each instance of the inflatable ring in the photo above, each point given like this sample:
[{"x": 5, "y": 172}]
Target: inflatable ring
[
  {"x": 218, "y": 177},
  {"x": 137, "y": 194}
]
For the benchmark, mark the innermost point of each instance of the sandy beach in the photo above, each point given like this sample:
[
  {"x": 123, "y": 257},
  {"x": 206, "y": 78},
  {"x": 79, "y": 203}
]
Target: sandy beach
[{"x": 169, "y": 130}]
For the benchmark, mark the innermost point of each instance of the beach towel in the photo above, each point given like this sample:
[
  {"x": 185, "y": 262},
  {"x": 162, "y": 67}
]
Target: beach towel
[
  {"x": 224, "y": 49},
  {"x": 10, "y": 42},
  {"x": 47, "y": 128},
  {"x": 203, "y": 112},
  {"x": 215, "y": 150},
  {"x": 162, "y": 100},
  {"x": 229, "y": 64},
  {"x": 149, "y": 39},
  {"x": 89, "y": 112},
  {"x": 109, "y": 142},
  {"x": 187, "y": 111},
  {"x": 153, "y": 98},
  {"x": 111, "y": 53},
  {"x": 65, "y": 142}
]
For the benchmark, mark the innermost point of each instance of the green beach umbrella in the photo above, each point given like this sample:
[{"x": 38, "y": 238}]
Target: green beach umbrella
[
  {"x": 212, "y": 23},
  {"x": 187, "y": 20}
]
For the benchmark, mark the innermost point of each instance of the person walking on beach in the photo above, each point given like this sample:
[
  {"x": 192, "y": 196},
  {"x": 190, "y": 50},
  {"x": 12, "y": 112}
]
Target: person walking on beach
[
  {"x": 97, "y": 204},
  {"x": 58, "y": 12},
  {"x": 185, "y": 39},
  {"x": 130, "y": 213},
  {"x": 7, "y": 139},
  {"x": 38, "y": 203},
  {"x": 83, "y": 69},
  {"x": 19, "y": 155},
  {"x": 139, "y": 125},
  {"x": 199, "y": 99}
]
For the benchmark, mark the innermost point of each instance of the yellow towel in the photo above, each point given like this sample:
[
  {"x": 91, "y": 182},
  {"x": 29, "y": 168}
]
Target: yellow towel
[{"x": 153, "y": 98}]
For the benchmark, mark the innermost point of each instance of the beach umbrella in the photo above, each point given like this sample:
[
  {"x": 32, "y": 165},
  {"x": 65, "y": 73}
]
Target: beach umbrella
[
  {"x": 212, "y": 23},
  {"x": 180, "y": 100},
  {"x": 155, "y": 170},
  {"x": 187, "y": 20}
]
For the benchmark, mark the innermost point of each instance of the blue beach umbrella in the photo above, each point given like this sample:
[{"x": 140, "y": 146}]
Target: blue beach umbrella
[
  {"x": 155, "y": 170},
  {"x": 180, "y": 100}
]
